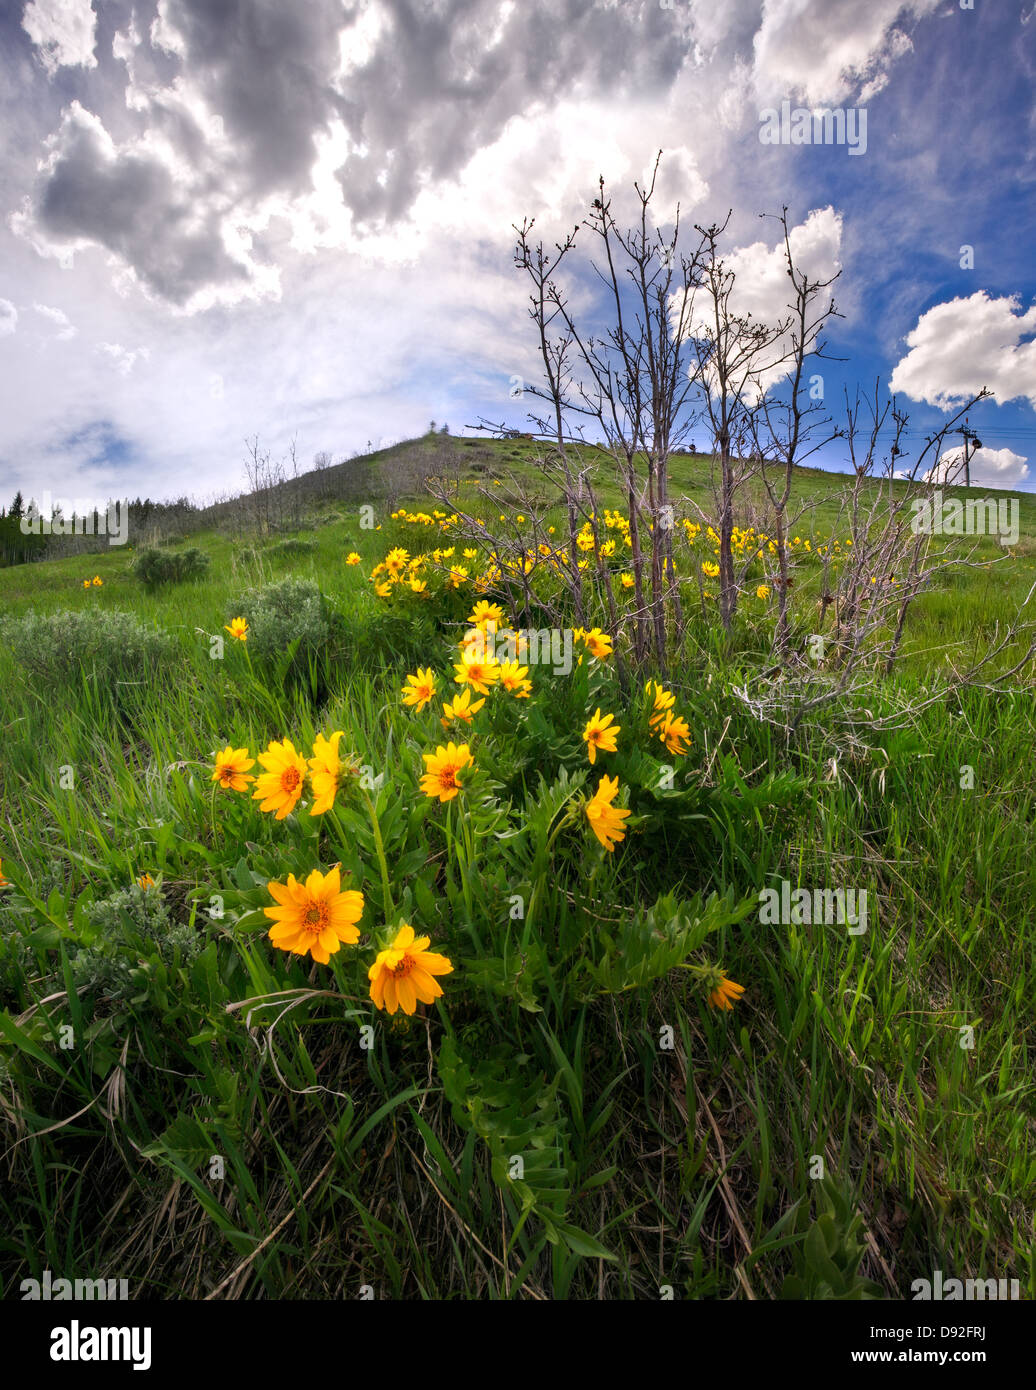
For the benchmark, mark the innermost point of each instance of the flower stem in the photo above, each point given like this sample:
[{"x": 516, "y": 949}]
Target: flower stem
[{"x": 380, "y": 848}]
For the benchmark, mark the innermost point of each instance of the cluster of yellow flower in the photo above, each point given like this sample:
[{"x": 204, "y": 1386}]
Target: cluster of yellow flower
[
  {"x": 318, "y": 917},
  {"x": 444, "y": 767},
  {"x": 94, "y": 583},
  {"x": 399, "y": 569}
]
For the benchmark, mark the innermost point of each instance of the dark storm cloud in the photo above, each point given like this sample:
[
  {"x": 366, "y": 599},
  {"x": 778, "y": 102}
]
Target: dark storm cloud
[
  {"x": 131, "y": 205},
  {"x": 437, "y": 87},
  {"x": 265, "y": 67},
  {"x": 440, "y": 81}
]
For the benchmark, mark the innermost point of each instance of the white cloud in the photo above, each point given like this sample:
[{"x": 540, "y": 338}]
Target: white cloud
[
  {"x": 825, "y": 52},
  {"x": 59, "y": 319},
  {"x": 989, "y": 468},
  {"x": 64, "y": 32},
  {"x": 763, "y": 290},
  {"x": 8, "y": 318},
  {"x": 964, "y": 344},
  {"x": 124, "y": 358}
]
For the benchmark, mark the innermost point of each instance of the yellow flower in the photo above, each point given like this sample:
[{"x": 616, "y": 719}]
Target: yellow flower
[
  {"x": 627, "y": 581},
  {"x": 383, "y": 590},
  {"x": 419, "y": 689},
  {"x": 238, "y": 627},
  {"x": 674, "y": 733},
  {"x": 762, "y": 591},
  {"x": 726, "y": 994},
  {"x": 3, "y": 881},
  {"x": 709, "y": 568},
  {"x": 231, "y": 770},
  {"x": 405, "y": 972},
  {"x": 664, "y": 701},
  {"x": 441, "y": 769},
  {"x": 146, "y": 881},
  {"x": 515, "y": 678},
  {"x": 457, "y": 576},
  {"x": 606, "y": 819},
  {"x": 598, "y": 643},
  {"x": 395, "y": 561},
  {"x": 484, "y": 613},
  {"x": 598, "y": 734},
  {"x": 419, "y": 586},
  {"x": 352, "y": 558},
  {"x": 280, "y": 786},
  {"x": 86, "y": 583},
  {"x": 460, "y": 708},
  {"x": 477, "y": 670},
  {"x": 98, "y": 581},
  {"x": 325, "y": 772},
  {"x": 315, "y": 916}
]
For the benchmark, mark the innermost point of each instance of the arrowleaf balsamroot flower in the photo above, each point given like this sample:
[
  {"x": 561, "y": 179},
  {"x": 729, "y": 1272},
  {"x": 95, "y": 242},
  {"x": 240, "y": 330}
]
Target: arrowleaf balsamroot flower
[
  {"x": 601, "y": 734},
  {"x": 598, "y": 643},
  {"x": 3, "y": 881},
  {"x": 477, "y": 670},
  {"x": 405, "y": 973},
  {"x": 674, "y": 733},
  {"x": 419, "y": 688},
  {"x": 280, "y": 786},
  {"x": 231, "y": 770},
  {"x": 461, "y": 708},
  {"x": 726, "y": 994},
  {"x": 352, "y": 558},
  {"x": 325, "y": 772},
  {"x": 315, "y": 916},
  {"x": 442, "y": 768},
  {"x": 486, "y": 612},
  {"x": 664, "y": 701},
  {"x": 515, "y": 679},
  {"x": 395, "y": 561},
  {"x": 606, "y": 819},
  {"x": 237, "y": 627}
]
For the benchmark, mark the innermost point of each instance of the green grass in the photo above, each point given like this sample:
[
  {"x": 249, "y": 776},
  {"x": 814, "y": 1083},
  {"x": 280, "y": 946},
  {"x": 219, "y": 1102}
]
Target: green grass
[{"x": 661, "y": 1143}]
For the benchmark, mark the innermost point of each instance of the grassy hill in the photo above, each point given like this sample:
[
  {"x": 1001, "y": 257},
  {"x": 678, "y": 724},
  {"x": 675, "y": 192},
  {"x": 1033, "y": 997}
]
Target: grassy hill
[{"x": 193, "y": 1109}]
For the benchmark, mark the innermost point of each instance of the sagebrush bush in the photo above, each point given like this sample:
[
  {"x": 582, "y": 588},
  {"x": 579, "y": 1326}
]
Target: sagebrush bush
[
  {"x": 287, "y": 612},
  {"x": 108, "y": 646},
  {"x": 134, "y": 922},
  {"x": 153, "y": 566}
]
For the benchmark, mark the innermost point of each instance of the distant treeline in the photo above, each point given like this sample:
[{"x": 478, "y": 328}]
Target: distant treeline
[{"x": 279, "y": 497}]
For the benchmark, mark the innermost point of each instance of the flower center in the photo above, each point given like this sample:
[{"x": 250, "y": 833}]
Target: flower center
[
  {"x": 315, "y": 919},
  {"x": 290, "y": 778},
  {"x": 448, "y": 776},
  {"x": 404, "y": 967}
]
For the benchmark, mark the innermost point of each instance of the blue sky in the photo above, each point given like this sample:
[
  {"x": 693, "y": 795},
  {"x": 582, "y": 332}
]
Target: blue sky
[{"x": 239, "y": 218}]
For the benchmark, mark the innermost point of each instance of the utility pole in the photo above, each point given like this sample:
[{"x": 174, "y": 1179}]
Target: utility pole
[{"x": 970, "y": 437}]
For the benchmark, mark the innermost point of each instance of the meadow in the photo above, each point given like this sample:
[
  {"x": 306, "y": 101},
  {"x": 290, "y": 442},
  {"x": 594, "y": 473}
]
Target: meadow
[{"x": 628, "y": 1085}]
